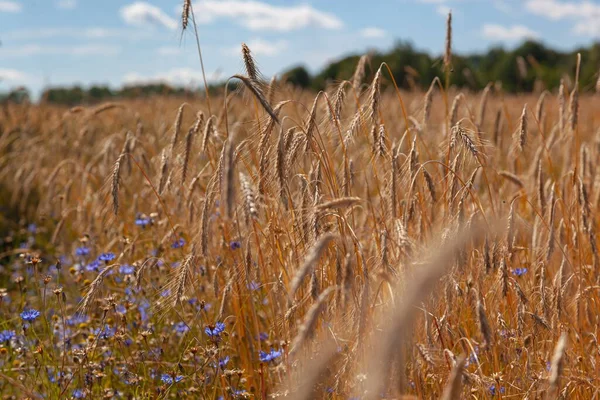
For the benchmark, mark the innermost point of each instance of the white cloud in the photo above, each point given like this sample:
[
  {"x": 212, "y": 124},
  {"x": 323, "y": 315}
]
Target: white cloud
[
  {"x": 141, "y": 13},
  {"x": 372, "y": 32},
  {"x": 585, "y": 14},
  {"x": 169, "y": 51},
  {"x": 66, "y": 4},
  {"x": 35, "y": 49},
  {"x": 88, "y": 33},
  {"x": 259, "y": 47},
  {"x": 175, "y": 76},
  {"x": 10, "y": 7},
  {"x": 13, "y": 76},
  {"x": 256, "y": 15},
  {"x": 511, "y": 33},
  {"x": 443, "y": 10}
]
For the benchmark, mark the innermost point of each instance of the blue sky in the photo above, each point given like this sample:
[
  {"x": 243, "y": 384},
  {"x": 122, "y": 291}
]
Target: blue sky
[{"x": 65, "y": 42}]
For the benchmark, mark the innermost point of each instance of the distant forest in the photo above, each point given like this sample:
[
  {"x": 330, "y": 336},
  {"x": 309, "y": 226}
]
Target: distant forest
[{"x": 530, "y": 67}]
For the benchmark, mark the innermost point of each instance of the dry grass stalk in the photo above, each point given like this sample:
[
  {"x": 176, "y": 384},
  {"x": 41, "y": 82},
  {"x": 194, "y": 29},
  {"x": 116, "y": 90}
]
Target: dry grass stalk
[
  {"x": 310, "y": 262},
  {"x": 453, "y": 389},
  {"x": 308, "y": 326}
]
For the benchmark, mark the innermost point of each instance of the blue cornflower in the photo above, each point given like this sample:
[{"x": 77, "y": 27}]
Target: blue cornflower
[
  {"x": 143, "y": 221},
  {"x": 77, "y": 319},
  {"x": 494, "y": 391},
  {"x": 262, "y": 336},
  {"x": 32, "y": 228},
  {"x": 216, "y": 330},
  {"x": 253, "y": 285},
  {"x": 126, "y": 269},
  {"x": 30, "y": 315},
  {"x": 519, "y": 271},
  {"x": 223, "y": 361},
  {"x": 178, "y": 243},
  {"x": 234, "y": 245},
  {"x": 82, "y": 251},
  {"x": 106, "y": 257},
  {"x": 270, "y": 356},
  {"x": 181, "y": 328},
  {"x": 6, "y": 336},
  {"x": 168, "y": 379},
  {"x": 94, "y": 266},
  {"x": 105, "y": 333},
  {"x": 78, "y": 394}
]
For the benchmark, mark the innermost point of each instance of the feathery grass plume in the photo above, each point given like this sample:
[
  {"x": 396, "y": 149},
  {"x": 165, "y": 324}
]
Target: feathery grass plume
[
  {"x": 484, "y": 325},
  {"x": 561, "y": 105},
  {"x": 228, "y": 173},
  {"x": 375, "y": 97},
  {"x": 381, "y": 149},
  {"x": 342, "y": 202},
  {"x": 94, "y": 288},
  {"x": 425, "y": 354},
  {"x": 454, "y": 109},
  {"x": 226, "y": 293},
  {"x": 427, "y": 102},
  {"x": 540, "y": 188},
  {"x": 182, "y": 277},
  {"x": 574, "y": 109},
  {"x": 460, "y": 135},
  {"x": 314, "y": 285},
  {"x": 185, "y": 13},
  {"x": 310, "y": 262},
  {"x": 338, "y": 102},
  {"x": 249, "y": 63},
  {"x": 116, "y": 177},
  {"x": 257, "y": 92},
  {"x": 311, "y": 123},
  {"x": 453, "y": 389},
  {"x": 164, "y": 167},
  {"x": 521, "y": 134},
  {"x": 250, "y": 207},
  {"x": 359, "y": 73},
  {"x": 483, "y": 104},
  {"x": 512, "y": 177},
  {"x": 556, "y": 365},
  {"x": 280, "y": 167},
  {"x": 208, "y": 130},
  {"x": 498, "y": 127},
  {"x": 448, "y": 47},
  {"x": 430, "y": 185},
  {"x": 177, "y": 123},
  {"x": 392, "y": 183},
  {"x": 539, "y": 108},
  {"x": 189, "y": 140},
  {"x": 310, "y": 321}
]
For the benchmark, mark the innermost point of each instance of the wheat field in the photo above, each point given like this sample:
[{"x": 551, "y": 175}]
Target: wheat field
[{"x": 270, "y": 242}]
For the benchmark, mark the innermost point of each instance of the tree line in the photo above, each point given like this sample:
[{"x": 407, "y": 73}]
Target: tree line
[{"x": 530, "y": 67}]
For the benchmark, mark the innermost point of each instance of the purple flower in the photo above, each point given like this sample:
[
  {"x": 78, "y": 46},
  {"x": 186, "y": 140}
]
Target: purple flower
[
  {"x": 126, "y": 269},
  {"x": 105, "y": 333},
  {"x": 223, "y": 362},
  {"x": 494, "y": 391},
  {"x": 106, "y": 257},
  {"x": 181, "y": 328},
  {"x": 168, "y": 379},
  {"x": 270, "y": 356},
  {"x": 30, "y": 315},
  {"x": 78, "y": 394},
  {"x": 6, "y": 336},
  {"x": 82, "y": 251},
  {"x": 519, "y": 271},
  {"x": 32, "y": 228},
  {"x": 234, "y": 245},
  {"x": 216, "y": 330},
  {"x": 143, "y": 221},
  {"x": 178, "y": 243},
  {"x": 94, "y": 266}
]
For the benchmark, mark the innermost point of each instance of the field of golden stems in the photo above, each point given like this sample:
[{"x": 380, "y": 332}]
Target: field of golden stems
[{"x": 361, "y": 243}]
